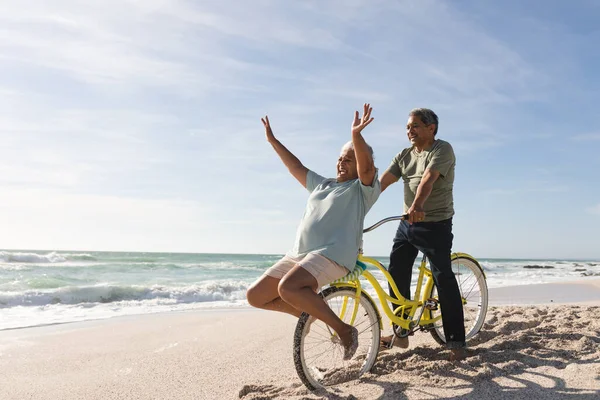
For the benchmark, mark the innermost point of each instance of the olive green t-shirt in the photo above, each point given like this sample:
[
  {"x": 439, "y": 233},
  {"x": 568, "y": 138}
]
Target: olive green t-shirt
[{"x": 410, "y": 166}]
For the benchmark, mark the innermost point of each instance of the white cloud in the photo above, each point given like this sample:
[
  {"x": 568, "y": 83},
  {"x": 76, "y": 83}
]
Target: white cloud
[
  {"x": 143, "y": 44},
  {"x": 81, "y": 42},
  {"x": 532, "y": 187},
  {"x": 594, "y": 209},
  {"x": 46, "y": 219},
  {"x": 148, "y": 106},
  {"x": 586, "y": 137},
  {"x": 65, "y": 147}
]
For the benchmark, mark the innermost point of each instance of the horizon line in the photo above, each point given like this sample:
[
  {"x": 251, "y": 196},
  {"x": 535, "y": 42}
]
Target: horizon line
[{"x": 276, "y": 254}]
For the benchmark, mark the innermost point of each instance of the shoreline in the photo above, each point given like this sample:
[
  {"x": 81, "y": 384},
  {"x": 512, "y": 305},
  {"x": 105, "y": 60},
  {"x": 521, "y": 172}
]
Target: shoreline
[
  {"x": 572, "y": 292},
  {"x": 532, "y": 294},
  {"x": 548, "y": 350}
]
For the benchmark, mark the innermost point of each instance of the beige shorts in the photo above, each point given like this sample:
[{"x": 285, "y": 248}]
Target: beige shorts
[{"x": 322, "y": 268}]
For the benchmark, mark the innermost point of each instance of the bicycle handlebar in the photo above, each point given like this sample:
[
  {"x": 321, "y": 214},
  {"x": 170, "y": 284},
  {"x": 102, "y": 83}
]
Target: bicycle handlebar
[{"x": 383, "y": 221}]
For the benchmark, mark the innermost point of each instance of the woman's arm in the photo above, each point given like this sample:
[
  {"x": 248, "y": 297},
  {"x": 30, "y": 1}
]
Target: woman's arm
[
  {"x": 296, "y": 168},
  {"x": 364, "y": 160}
]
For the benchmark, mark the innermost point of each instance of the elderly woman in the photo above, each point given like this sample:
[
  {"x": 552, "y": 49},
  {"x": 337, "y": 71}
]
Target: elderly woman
[{"x": 329, "y": 235}]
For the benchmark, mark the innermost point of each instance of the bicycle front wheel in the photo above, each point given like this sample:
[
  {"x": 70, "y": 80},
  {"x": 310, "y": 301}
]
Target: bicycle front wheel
[
  {"x": 318, "y": 352},
  {"x": 474, "y": 294}
]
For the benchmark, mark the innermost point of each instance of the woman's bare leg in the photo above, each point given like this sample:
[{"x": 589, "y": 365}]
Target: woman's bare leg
[
  {"x": 264, "y": 294},
  {"x": 298, "y": 288}
]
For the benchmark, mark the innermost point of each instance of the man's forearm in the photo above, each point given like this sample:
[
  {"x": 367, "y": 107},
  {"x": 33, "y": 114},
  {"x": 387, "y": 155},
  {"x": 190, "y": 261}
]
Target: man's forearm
[
  {"x": 425, "y": 188},
  {"x": 423, "y": 192}
]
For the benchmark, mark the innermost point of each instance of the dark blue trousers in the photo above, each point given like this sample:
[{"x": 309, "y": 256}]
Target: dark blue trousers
[{"x": 434, "y": 239}]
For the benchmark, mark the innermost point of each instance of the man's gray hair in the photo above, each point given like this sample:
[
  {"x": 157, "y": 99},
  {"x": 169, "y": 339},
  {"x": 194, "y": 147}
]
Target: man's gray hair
[
  {"x": 426, "y": 115},
  {"x": 350, "y": 145}
]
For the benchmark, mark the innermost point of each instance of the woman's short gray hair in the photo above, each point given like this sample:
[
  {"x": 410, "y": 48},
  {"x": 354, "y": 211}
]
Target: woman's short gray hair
[
  {"x": 426, "y": 115},
  {"x": 350, "y": 145}
]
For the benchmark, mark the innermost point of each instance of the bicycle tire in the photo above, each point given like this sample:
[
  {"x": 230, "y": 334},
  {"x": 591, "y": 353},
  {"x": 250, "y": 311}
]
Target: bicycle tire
[
  {"x": 473, "y": 288},
  {"x": 317, "y": 353}
]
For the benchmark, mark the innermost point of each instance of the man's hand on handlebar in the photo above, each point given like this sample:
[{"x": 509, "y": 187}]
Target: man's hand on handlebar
[{"x": 415, "y": 214}]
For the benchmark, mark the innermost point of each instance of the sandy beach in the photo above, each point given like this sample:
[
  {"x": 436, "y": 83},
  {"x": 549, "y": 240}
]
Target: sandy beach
[{"x": 539, "y": 341}]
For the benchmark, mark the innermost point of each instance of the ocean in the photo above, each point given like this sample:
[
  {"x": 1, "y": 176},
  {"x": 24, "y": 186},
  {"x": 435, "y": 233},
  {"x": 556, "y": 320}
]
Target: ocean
[{"x": 49, "y": 287}]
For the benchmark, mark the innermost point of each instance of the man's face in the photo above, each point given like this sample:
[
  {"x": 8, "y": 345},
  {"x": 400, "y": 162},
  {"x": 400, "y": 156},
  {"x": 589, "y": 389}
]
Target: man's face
[
  {"x": 346, "y": 165},
  {"x": 418, "y": 133}
]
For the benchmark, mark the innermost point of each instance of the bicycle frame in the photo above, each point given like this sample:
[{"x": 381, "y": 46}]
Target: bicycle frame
[
  {"x": 405, "y": 306},
  {"x": 403, "y": 303},
  {"x": 347, "y": 296}
]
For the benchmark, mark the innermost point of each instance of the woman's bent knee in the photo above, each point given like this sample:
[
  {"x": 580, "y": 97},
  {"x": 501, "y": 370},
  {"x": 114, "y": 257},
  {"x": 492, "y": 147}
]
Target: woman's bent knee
[
  {"x": 252, "y": 297},
  {"x": 287, "y": 288},
  {"x": 262, "y": 292},
  {"x": 284, "y": 288}
]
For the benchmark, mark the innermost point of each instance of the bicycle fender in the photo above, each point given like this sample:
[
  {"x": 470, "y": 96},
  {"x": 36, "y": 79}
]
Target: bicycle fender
[
  {"x": 375, "y": 307},
  {"x": 455, "y": 256}
]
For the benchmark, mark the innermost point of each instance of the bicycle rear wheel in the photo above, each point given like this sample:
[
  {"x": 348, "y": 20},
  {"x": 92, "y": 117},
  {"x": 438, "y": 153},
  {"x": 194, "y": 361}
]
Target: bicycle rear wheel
[
  {"x": 474, "y": 293},
  {"x": 318, "y": 353}
]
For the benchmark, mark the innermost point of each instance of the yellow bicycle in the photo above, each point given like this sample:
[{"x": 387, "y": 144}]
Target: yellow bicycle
[{"x": 318, "y": 355}]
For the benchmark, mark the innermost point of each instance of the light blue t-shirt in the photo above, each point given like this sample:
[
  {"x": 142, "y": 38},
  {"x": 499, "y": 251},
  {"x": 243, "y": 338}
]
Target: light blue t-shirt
[{"x": 333, "y": 221}]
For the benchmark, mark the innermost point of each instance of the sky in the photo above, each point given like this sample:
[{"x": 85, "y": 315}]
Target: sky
[{"x": 134, "y": 125}]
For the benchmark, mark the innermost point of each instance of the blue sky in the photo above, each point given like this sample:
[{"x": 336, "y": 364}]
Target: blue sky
[{"x": 135, "y": 125}]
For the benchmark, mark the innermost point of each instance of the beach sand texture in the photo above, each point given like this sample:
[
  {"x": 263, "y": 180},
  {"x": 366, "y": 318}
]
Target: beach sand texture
[
  {"x": 533, "y": 352},
  {"x": 528, "y": 353}
]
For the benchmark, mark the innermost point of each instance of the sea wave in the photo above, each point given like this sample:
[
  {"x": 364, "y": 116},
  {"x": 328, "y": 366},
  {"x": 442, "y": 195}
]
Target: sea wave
[
  {"x": 204, "y": 292},
  {"x": 35, "y": 258},
  {"x": 505, "y": 265}
]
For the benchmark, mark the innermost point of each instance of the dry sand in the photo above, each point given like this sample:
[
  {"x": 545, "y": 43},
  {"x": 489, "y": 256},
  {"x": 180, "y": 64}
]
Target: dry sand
[
  {"x": 545, "y": 351},
  {"x": 529, "y": 353}
]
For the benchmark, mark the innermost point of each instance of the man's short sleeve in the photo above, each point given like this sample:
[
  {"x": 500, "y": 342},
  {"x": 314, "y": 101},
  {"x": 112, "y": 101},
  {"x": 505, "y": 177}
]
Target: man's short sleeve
[
  {"x": 313, "y": 180},
  {"x": 371, "y": 193},
  {"x": 442, "y": 159},
  {"x": 394, "y": 167}
]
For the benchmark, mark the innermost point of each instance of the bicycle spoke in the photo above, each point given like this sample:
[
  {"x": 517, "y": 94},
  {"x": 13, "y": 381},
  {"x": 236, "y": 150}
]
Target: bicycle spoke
[
  {"x": 316, "y": 344},
  {"x": 473, "y": 291},
  {"x": 318, "y": 356},
  {"x": 327, "y": 332},
  {"x": 322, "y": 361},
  {"x": 467, "y": 292},
  {"x": 369, "y": 327}
]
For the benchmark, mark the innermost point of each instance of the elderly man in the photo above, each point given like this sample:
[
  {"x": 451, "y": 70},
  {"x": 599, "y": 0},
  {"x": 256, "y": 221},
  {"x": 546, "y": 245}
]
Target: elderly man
[
  {"x": 427, "y": 169},
  {"x": 329, "y": 234}
]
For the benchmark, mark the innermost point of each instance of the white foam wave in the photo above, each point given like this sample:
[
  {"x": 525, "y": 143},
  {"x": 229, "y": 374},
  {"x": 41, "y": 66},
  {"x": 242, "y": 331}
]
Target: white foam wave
[
  {"x": 515, "y": 265},
  {"x": 21, "y": 317},
  {"x": 204, "y": 292},
  {"x": 13, "y": 267},
  {"x": 34, "y": 258}
]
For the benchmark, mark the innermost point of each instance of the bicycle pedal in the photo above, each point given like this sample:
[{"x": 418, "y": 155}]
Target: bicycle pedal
[
  {"x": 402, "y": 333},
  {"x": 432, "y": 304}
]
